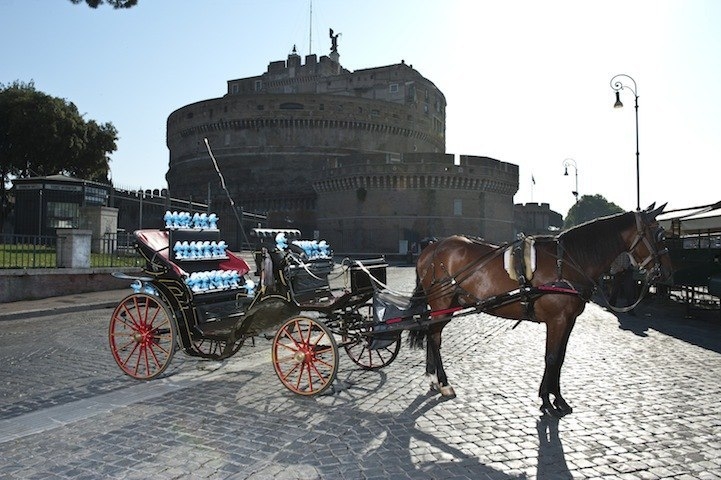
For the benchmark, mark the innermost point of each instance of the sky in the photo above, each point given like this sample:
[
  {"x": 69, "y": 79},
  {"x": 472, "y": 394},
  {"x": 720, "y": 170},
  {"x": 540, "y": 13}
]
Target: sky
[{"x": 526, "y": 82}]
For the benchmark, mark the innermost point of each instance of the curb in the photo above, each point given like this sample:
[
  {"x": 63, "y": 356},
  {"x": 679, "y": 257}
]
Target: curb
[{"x": 45, "y": 312}]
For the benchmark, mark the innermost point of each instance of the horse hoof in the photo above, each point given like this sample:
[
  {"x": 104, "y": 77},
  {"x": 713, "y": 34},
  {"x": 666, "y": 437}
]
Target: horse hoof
[
  {"x": 562, "y": 407},
  {"x": 549, "y": 410},
  {"x": 448, "y": 392}
]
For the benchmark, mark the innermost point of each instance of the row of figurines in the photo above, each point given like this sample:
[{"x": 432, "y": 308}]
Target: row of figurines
[
  {"x": 312, "y": 248},
  {"x": 196, "y": 221},
  {"x": 199, "y": 282},
  {"x": 199, "y": 250}
]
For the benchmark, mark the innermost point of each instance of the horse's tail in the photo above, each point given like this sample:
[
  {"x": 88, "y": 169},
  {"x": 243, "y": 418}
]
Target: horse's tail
[{"x": 417, "y": 337}]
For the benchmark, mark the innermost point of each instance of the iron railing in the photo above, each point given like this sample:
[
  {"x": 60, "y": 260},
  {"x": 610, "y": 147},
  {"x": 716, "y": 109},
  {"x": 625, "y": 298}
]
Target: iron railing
[{"x": 36, "y": 251}]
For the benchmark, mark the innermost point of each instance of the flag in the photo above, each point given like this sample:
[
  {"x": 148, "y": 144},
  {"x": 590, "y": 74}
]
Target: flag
[{"x": 533, "y": 180}]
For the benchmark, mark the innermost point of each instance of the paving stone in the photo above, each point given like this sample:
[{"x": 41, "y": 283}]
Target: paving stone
[{"x": 644, "y": 390}]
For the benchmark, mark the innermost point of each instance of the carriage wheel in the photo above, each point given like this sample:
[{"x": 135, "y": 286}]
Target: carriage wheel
[
  {"x": 142, "y": 336},
  {"x": 214, "y": 349},
  {"x": 372, "y": 359},
  {"x": 305, "y": 356}
]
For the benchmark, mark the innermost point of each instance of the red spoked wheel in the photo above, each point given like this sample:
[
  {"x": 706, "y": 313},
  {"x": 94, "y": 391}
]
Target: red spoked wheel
[
  {"x": 305, "y": 356},
  {"x": 142, "y": 336},
  {"x": 372, "y": 358}
]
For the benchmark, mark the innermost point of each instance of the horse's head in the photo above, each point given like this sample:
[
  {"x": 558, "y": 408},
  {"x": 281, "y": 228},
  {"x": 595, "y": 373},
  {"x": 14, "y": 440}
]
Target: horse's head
[{"x": 647, "y": 249}]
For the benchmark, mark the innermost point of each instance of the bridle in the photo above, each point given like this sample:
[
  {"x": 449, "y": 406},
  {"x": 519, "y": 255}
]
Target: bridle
[{"x": 654, "y": 255}]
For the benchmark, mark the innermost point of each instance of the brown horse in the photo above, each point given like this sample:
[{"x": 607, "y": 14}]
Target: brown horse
[{"x": 462, "y": 272}]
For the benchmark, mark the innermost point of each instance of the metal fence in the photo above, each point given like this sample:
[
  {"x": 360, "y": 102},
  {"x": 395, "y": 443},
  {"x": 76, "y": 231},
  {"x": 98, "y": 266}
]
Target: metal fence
[{"x": 35, "y": 251}]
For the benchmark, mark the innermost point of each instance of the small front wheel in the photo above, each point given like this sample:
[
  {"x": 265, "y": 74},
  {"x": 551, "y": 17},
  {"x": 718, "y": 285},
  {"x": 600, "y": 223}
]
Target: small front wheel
[
  {"x": 369, "y": 356},
  {"x": 142, "y": 336},
  {"x": 305, "y": 356}
]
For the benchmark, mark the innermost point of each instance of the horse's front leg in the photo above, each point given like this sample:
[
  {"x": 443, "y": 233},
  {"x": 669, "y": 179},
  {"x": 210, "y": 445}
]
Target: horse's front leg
[
  {"x": 557, "y": 336},
  {"x": 434, "y": 365}
]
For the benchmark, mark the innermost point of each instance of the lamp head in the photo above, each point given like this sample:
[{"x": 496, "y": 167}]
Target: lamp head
[
  {"x": 565, "y": 170},
  {"x": 618, "y": 103}
]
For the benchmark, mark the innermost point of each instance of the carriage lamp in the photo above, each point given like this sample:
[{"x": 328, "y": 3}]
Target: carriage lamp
[{"x": 617, "y": 85}]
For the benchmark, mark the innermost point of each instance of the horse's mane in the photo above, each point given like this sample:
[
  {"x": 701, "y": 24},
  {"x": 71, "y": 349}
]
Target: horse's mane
[{"x": 598, "y": 240}]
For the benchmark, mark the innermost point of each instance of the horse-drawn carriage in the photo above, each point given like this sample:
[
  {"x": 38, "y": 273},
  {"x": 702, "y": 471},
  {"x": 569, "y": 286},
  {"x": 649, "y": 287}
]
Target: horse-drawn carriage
[
  {"x": 207, "y": 304},
  {"x": 695, "y": 247},
  {"x": 541, "y": 279}
]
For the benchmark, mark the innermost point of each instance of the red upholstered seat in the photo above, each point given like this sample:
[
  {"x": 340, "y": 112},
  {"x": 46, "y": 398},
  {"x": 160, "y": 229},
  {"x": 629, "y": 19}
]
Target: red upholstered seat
[
  {"x": 156, "y": 240},
  {"x": 156, "y": 244}
]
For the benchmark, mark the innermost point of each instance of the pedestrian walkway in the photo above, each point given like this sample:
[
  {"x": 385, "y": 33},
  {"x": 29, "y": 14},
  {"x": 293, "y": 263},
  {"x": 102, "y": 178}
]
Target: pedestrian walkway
[{"x": 62, "y": 304}]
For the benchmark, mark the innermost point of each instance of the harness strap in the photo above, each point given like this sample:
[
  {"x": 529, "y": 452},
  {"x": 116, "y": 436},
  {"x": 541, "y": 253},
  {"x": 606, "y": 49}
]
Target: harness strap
[
  {"x": 559, "y": 259},
  {"x": 526, "y": 299}
]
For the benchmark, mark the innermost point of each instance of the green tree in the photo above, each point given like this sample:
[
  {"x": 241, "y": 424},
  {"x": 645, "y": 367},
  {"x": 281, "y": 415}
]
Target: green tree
[
  {"x": 588, "y": 208},
  {"x": 44, "y": 135},
  {"x": 113, "y": 3}
]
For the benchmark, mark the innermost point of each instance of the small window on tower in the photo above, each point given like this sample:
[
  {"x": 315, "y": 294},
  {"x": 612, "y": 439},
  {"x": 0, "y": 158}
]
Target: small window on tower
[{"x": 457, "y": 207}]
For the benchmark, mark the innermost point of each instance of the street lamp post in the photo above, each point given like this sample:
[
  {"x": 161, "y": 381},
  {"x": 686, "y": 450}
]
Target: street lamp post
[
  {"x": 569, "y": 162},
  {"x": 617, "y": 85}
]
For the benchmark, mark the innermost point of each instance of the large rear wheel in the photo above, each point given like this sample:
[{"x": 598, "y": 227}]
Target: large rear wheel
[
  {"x": 142, "y": 336},
  {"x": 305, "y": 356}
]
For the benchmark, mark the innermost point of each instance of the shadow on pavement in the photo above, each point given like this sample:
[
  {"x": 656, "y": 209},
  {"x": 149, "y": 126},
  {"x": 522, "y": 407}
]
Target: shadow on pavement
[
  {"x": 671, "y": 318},
  {"x": 551, "y": 458}
]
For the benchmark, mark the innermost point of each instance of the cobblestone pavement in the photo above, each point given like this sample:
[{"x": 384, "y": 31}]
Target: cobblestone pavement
[{"x": 646, "y": 393}]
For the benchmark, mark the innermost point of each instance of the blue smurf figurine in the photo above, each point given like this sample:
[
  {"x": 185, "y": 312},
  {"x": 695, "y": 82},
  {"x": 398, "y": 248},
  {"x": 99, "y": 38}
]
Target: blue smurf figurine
[
  {"x": 324, "y": 248},
  {"x": 234, "y": 279},
  {"x": 213, "y": 221},
  {"x": 222, "y": 247},
  {"x": 168, "y": 217},
  {"x": 250, "y": 287},
  {"x": 193, "y": 282},
  {"x": 178, "y": 250},
  {"x": 281, "y": 242},
  {"x": 185, "y": 220},
  {"x": 203, "y": 221}
]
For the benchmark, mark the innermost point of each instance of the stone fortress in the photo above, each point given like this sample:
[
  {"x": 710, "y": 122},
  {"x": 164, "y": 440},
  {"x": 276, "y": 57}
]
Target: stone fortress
[{"x": 355, "y": 158}]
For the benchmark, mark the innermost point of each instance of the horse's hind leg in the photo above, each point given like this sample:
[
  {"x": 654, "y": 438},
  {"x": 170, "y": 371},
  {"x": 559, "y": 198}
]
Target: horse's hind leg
[
  {"x": 434, "y": 365},
  {"x": 556, "y": 341}
]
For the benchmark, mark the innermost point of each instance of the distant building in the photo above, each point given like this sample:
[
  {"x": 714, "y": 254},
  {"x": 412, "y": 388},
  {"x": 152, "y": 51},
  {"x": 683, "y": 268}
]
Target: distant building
[
  {"x": 44, "y": 204},
  {"x": 536, "y": 219},
  {"x": 329, "y": 151},
  {"x": 367, "y": 204}
]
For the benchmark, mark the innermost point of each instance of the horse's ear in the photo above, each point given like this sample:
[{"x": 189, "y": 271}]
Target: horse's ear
[
  {"x": 657, "y": 212},
  {"x": 650, "y": 207}
]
